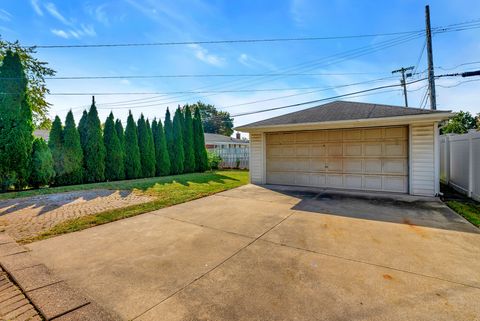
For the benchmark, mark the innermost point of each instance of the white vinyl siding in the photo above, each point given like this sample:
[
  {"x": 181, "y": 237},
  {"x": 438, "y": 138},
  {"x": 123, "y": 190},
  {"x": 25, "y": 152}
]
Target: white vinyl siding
[
  {"x": 422, "y": 159},
  {"x": 257, "y": 160},
  {"x": 360, "y": 158}
]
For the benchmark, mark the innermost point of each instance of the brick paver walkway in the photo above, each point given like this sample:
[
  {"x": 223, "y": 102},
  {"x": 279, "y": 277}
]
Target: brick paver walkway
[
  {"x": 27, "y": 217},
  {"x": 14, "y": 306}
]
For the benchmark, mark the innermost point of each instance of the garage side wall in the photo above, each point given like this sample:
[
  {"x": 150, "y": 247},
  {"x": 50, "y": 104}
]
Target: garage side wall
[
  {"x": 423, "y": 159},
  {"x": 257, "y": 158}
]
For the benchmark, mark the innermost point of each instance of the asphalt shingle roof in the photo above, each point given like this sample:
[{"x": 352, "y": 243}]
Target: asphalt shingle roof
[{"x": 341, "y": 110}]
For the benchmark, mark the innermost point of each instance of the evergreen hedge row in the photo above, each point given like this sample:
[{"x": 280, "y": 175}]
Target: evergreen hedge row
[{"x": 89, "y": 153}]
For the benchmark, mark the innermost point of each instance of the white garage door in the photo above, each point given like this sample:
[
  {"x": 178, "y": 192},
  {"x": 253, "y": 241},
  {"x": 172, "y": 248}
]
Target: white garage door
[{"x": 360, "y": 158}]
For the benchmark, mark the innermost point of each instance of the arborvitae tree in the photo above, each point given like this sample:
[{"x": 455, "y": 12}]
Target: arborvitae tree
[
  {"x": 72, "y": 154},
  {"x": 170, "y": 142},
  {"x": 94, "y": 148},
  {"x": 55, "y": 143},
  {"x": 121, "y": 140},
  {"x": 120, "y": 135},
  {"x": 188, "y": 145},
  {"x": 16, "y": 124},
  {"x": 162, "y": 160},
  {"x": 41, "y": 172},
  {"x": 147, "y": 152},
  {"x": 151, "y": 149},
  {"x": 113, "y": 150},
  {"x": 82, "y": 130},
  {"x": 201, "y": 158},
  {"x": 133, "y": 167},
  {"x": 178, "y": 146}
]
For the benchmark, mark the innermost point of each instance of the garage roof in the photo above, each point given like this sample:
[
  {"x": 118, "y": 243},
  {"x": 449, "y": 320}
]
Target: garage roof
[{"x": 341, "y": 111}]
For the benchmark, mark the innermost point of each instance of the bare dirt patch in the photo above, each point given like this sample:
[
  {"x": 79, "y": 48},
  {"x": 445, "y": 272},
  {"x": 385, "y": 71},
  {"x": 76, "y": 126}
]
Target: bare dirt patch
[{"x": 27, "y": 217}]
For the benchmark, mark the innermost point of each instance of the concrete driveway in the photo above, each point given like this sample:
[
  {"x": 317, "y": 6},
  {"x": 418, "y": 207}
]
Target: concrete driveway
[{"x": 254, "y": 253}]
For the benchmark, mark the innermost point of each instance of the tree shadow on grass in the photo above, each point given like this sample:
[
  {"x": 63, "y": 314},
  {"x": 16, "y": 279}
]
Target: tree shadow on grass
[
  {"x": 185, "y": 180},
  {"x": 52, "y": 201},
  {"x": 42, "y": 204}
]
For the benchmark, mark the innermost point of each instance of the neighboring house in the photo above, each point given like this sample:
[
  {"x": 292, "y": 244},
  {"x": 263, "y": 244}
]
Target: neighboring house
[
  {"x": 43, "y": 133},
  {"x": 349, "y": 145},
  {"x": 233, "y": 151}
]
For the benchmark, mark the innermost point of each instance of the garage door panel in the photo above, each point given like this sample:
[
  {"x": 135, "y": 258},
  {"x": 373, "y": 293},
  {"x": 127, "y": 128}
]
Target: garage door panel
[
  {"x": 395, "y": 149},
  {"x": 373, "y": 182},
  {"x": 373, "y": 133},
  {"x": 334, "y": 150},
  {"x": 302, "y": 164},
  {"x": 318, "y": 150},
  {"x": 394, "y": 183},
  {"x": 396, "y": 132},
  {"x": 302, "y": 150},
  {"x": 353, "y": 165},
  {"x": 352, "y": 149},
  {"x": 335, "y": 165},
  {"x": 353, "y": 181},
  {"x": 318, "y": 179},
  {"x": 373, "y": 166},
  {"x": 373, "y": 149},
  {"x": 303, "y": 137},
  {"x": 318, "y": 164},
  {"x": 358, "y": 158},
  {"x": 352, "y": 134},
  {"x": 335, "y": 180},
  {"x": 302, "y": 179},
  {"x": 394, "y": 166}
]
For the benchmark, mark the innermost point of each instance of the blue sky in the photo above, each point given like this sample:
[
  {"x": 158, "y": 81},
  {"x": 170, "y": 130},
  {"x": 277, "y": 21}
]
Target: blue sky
[{"x": 50, "y": 22}]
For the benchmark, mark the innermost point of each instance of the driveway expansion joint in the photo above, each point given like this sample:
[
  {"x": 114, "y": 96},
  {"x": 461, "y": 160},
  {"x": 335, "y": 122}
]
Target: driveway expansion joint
[
  {"x": 215, "y": 266},
  {"x": 372, "y": 264}
]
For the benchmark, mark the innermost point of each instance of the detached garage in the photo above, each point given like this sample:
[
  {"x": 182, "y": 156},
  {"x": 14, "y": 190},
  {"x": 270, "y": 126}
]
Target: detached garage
[{"x": 349, "y": 145}]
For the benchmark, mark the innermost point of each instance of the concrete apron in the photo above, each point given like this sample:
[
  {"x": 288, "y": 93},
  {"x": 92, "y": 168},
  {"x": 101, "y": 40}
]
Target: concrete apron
[{"x": 254, "y": 253}]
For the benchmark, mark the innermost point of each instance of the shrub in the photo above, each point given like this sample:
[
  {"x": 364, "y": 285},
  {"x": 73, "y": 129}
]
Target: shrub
[
  {"x": 214, "y": 160},
  {"x": 42, "y": 172}
]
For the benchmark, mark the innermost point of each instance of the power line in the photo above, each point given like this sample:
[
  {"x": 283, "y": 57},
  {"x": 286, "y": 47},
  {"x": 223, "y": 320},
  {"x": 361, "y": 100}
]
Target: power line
[
  {"x": 305, "y": 66},
  {"x": 452, "y": 27},
  {"x": 323, "y": 99},
  {"x": 208, "y": 75},
  {"x": 228, "y": 41}
]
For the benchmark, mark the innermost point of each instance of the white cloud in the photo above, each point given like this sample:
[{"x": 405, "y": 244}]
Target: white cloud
[
  {"x": 249, "y": 61},
  {"x": 36, "y": 7},
  {"x": 75, "y": 33},
  {"x": 5, "y": 15},
  {"x": 60, "y": 33},
  {"x": 202, "y": 54},
  {"x": 52, "y": 9}
]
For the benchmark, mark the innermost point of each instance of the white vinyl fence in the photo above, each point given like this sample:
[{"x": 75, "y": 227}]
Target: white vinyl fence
[{"x": 460, "y": 162}]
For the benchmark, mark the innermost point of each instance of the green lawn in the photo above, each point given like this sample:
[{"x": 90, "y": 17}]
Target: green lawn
[
  {"x": 167, "y": 191},
  {"x": 469, "y": 210}
]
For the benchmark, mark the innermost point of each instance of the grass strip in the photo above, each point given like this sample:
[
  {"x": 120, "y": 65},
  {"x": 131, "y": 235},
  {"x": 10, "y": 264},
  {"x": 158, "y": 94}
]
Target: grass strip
[
  {"x": 176, "y": 190},
  {"x": 470, "y": 211}
]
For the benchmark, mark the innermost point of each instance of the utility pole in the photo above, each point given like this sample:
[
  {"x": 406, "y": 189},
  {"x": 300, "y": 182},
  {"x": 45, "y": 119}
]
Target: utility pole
[
  {"x": 431, "y": 74},
  {"x": 403, "y": 82}
]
